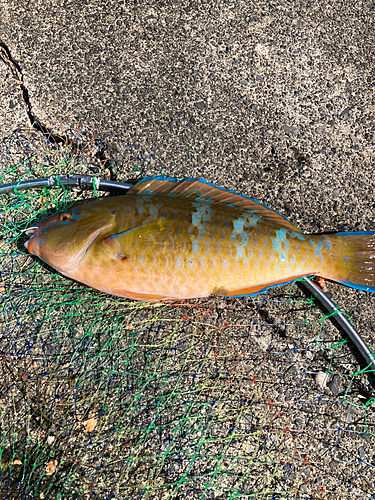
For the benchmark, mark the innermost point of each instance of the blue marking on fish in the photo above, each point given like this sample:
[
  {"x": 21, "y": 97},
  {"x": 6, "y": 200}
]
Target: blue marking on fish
[
  {"x": 139, "y": 208},
  {"x": 276, "y": 244},
  {"x": 195, "y": 247},
  {"x": 45, "y": 231},
  {"x": 238, "y": 224},
  {"x": 201, "y": 232},
  {"x": 39, "y": 240},
  {"x": 281, "y": 234},
  {"x": 196, "y": 218},
  {"x": 244, "y": 238},
  {"x": 252, "y": 221},
  {"x": 153, "y": 211},
  {"x": 240, "y": 251}
]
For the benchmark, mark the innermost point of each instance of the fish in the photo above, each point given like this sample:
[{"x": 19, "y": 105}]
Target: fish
[{"x": 167, "y": 240}]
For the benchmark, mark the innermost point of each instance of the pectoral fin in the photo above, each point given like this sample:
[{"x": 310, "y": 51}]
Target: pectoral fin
[{"x": 123, "y": 245}]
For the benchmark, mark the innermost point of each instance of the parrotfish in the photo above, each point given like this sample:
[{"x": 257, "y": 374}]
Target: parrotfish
[{"x": 168, "y": 240}]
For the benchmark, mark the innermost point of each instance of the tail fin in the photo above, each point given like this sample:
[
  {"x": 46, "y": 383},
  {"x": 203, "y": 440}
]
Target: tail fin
[{"x": 354, "y": 259}]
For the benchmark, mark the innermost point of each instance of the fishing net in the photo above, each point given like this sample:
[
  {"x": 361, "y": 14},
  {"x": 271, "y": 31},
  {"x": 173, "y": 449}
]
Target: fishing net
[{"x": 101, "y": 397}]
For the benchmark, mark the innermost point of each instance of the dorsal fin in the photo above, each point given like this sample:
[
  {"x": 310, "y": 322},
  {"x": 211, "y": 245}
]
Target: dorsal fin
[{"x": 193, "y": 188}]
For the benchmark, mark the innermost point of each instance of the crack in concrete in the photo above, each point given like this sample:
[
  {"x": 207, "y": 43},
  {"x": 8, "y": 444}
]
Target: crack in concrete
[
  {"x": 53, "y": 138},
  {"x": 5, "y": 55}
]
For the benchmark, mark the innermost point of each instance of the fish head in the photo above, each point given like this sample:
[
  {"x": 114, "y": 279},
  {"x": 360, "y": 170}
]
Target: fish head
[{"x": 63, "y": 239}]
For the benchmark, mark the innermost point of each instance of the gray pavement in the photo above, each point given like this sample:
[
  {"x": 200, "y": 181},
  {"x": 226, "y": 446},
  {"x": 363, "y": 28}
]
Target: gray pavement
[{"x": 273, "y": 99}]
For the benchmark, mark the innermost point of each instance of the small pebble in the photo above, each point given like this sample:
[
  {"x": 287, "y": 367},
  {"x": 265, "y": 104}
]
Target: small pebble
[
  {"x": 247, "y": 419},
  {"x": 353, "y": 410},
  {"x": 298, "y": 423},
  {"x": 345, "y": 113},
  {"x": 334, "y": 385},
  {"x": 321, "y": 379},
  {"x": 200, "y": 105},
  {"x": 289, "y": 130},
  {"x": 50, "y": 440}
]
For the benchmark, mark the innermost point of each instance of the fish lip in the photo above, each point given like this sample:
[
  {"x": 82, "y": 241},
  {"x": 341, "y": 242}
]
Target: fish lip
[
  {"x": 30, "y": 231},
  {"x": 33, "y": 232}
]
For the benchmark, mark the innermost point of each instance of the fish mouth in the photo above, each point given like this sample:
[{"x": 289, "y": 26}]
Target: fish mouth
[
  {"x": 32, "y": 243},
  {"x": 33, "y": 232}
]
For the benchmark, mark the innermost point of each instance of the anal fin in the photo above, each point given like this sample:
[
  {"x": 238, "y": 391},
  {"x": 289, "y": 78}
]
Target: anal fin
[
  {"x": 147, "y": 297},
  {"x": 254, "y": 290}
]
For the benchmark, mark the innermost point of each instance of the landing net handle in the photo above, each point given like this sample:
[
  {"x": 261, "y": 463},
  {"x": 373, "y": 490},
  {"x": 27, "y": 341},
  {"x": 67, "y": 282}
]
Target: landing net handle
[{"x": 74, "y": 180}]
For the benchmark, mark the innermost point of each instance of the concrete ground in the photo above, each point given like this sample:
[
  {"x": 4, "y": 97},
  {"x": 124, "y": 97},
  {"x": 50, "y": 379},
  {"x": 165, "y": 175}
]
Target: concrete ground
[{"x": 273, "y": 99}]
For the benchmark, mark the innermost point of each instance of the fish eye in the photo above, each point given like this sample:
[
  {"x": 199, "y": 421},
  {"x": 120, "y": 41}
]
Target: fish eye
[{"x": 64, "y": 216}]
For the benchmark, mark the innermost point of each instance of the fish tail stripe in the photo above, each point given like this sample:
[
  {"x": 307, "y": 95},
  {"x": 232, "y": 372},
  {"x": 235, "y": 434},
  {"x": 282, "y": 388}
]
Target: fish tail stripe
[{"x": 353, "y": 257}]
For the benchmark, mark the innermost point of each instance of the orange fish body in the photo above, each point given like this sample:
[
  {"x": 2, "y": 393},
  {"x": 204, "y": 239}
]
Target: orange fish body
[{"x": 167, "y": 240}]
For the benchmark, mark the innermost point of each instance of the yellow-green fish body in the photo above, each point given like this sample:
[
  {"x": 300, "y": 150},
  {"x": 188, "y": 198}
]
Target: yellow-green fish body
[{"x": 167, "y": 240}]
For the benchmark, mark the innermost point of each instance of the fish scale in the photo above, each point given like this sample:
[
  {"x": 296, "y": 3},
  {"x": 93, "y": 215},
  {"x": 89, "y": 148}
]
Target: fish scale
[{"x": 168, "y": 240}]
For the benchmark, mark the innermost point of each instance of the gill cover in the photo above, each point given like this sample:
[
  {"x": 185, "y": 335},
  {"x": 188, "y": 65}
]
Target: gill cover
[{"x": 63, "y": 239}]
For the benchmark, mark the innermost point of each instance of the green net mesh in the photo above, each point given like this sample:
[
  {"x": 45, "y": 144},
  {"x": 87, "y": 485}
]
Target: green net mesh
[{"x": 103, "y": 398}]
